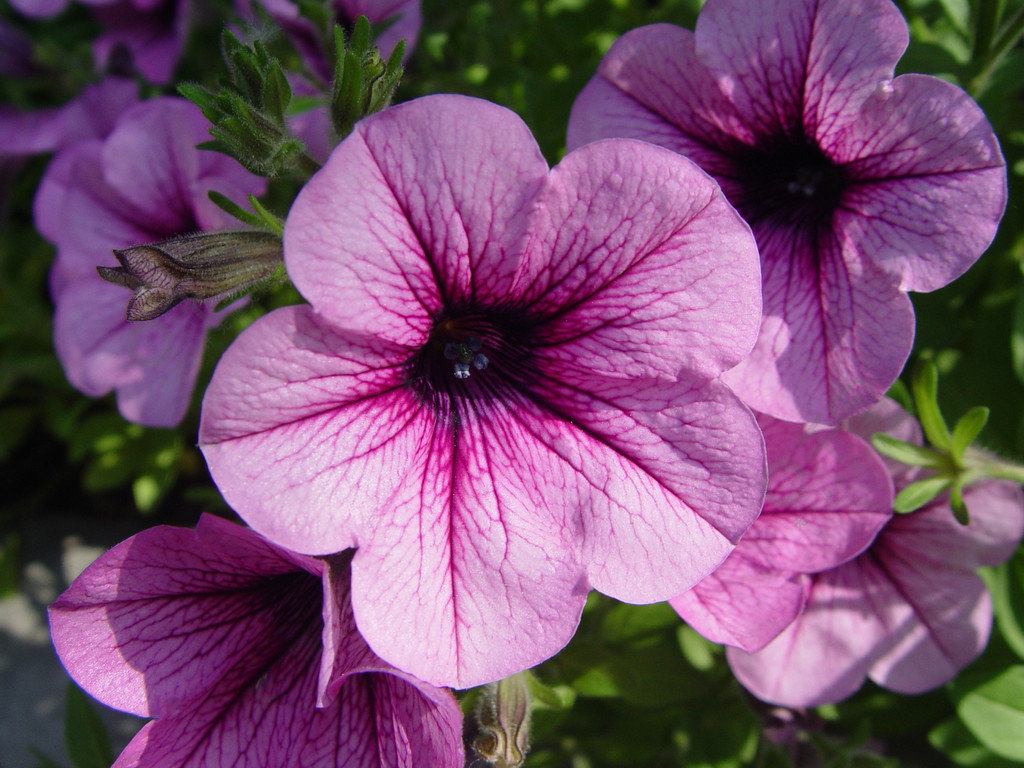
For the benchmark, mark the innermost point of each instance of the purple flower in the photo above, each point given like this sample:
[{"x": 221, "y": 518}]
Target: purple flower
[
  {"x": 909, "y": 612},
  {"x": 245, "y": 654},
  {"x": 859, "y": 186},
  {"x": 92, "y": 115},
  {"x": 828, "y": 495},
  {"x": 505, "y": 391},
  {"x": 145, "y": 183}
]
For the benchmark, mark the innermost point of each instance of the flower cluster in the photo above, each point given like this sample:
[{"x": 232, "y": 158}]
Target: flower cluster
[{"x": 651, "y": 371}]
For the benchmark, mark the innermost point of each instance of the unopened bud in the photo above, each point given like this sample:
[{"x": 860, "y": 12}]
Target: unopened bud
[
  {"x": 503, "y": 716},
  {"x": 208, "y": 265}
]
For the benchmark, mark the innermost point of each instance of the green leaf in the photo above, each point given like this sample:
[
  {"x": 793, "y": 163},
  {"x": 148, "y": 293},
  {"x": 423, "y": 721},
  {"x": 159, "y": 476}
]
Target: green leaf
[
  {"x": 956, "y": 502},
  {"x": 1007, "y": 587},
  {"x": 916, "y": 495},
  {"x": 85, "y": 736},
  {"x": 925, "y": 386},
  {"x": 952, "y": 739},
  {"x": 234, "y": 209},
  {"x": 991, "y": 705},
  {"x": 907, "y": 453},
  {"x": 967, "y": 429}
]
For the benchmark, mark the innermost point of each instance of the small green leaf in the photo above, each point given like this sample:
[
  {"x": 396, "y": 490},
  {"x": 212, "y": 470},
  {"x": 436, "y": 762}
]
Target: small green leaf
[
  {"x": 234, "y": 209},
  {"x": 1007, "y": 588},
  {"x": 270, "y": 221},
  {"x": 952, "y": 739},
  {"x": 925, "y": 386},
  {"x": 967, "y": 429},
  {"x": 85, "y": 736},
  {"x": 916, "y": 495},
  {"x": 991, "y": 705},
  {"x": 906, "y": 453}
]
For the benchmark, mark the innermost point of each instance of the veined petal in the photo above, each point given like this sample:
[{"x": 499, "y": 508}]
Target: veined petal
[
  {"x": 828, "y": 496},
  {"x": 930, "y": 183},
  {"x": 636, "y": 266},
  {"x": 422, "y": 203},
  {"x": 667, "y": 465},
  {"x": 835, "y": 333},
  {"x": 308, "y": 431},
  {"x": 160, "y": 618},
  {"x": 651, "y": 86},
  {"x": 472, "y": 573},
  {"x": 824, "y": 655},
  {"x": 742, "y": 603},
  {"x": 800, "y": 62}
]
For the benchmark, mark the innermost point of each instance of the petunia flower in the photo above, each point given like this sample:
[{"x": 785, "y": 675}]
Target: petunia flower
[
  {"x": 145, "y": 183},
  {"x": 859, "y": 186},
  {"x": 828, "y": 495},
  {"x": 909, "y": 612},
  {"x": 246, "y": 654},
  {"x": 505, "y": 391}
]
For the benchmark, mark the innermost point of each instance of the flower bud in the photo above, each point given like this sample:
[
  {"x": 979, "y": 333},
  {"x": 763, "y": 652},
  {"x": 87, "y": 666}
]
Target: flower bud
[
  {"x": 202, "y": 266},
  {"x": 503, "y": 716}
]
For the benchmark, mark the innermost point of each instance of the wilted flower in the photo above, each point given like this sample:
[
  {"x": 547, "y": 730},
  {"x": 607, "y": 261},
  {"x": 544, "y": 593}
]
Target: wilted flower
[
  {"x": 828, "y": 495},
  {"x": 145, "y": 183},
  {"x": 909, "y": 612},
  {"x": 246, "y": 654},
  {"x": 859, "y": 186},
  {"x": 505, "y": 391},
  {"x": 202, "y": 266}
]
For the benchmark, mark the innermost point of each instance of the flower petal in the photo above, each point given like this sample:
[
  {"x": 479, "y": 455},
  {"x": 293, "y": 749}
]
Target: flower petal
[
  {"x": 835, "y": 334},
  {"x": 152, "y": 365},
  {"x": 828, "y": 496},
  {"x": 307, "y": 431},
  {"x": 742, "y": 603},
  {"x": 930, "y": 183},
  {"x": 636, "y": 266},
  {"x": 425, "y": 202},
  {"x": 800, "y": 62},
  {"x": 158, "y": 620}
]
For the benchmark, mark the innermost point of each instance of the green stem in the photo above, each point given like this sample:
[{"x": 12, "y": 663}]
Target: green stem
[
  {"x": 1003, "y": 43},
  {"x": 986, "y": 466},
  {"x": 986, "y": 19}
]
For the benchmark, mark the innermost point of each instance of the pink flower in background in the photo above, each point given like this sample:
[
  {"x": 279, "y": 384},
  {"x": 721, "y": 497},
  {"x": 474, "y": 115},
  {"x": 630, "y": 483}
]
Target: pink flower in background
[
  {"x": 92, "y": 115},
  {"x": 144, "y": 183},
  {"x": 828, "y": 495},
  {"x": 151, "y": 32},
  {"x": 909, "y": 612},
  {"x": 859, "y": 186},
  {"x": 245, "y": 654},
  {"x": 505, "y": 391}
]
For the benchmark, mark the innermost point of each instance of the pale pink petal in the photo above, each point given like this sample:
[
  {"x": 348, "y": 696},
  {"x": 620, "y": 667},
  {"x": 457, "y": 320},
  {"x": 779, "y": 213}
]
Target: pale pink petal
[
  {"x": 800, "y": 62},
  {"x": 308, "y": 431},
  {"x": 743, "y": 604},
  {"x": 828, "y": 496},
  {"x": 436, "y": 207},
  {"x": 930, "y": 182},
  {"x": 835, "y": 333},
  {"x": 662, "y": 279},
  {"x": 823, "y": 656},
  {"x": 153, "y": 365}
]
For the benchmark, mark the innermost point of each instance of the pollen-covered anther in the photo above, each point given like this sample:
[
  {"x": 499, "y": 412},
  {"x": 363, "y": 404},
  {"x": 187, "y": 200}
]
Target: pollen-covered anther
[{"x": 466, "y": 356}]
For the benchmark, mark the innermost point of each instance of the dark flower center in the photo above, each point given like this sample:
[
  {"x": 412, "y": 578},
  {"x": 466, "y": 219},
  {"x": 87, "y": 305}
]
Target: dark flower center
[
  {"x": 472, "y": 358},
  {"x": 789, "y": 182}
]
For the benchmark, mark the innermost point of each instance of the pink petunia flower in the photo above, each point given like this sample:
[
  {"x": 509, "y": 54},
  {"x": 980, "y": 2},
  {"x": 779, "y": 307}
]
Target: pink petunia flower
[
  {"x": 909, "y": 612},
  {"x": 144, "y": 183},
  {"x": 246, "y": 654},
  {"x": 858, "y": 186},
  {"x": 828, "y": 495},
  {"x": 151, "y": 32},
  {"x": 505, "y": 391}
]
